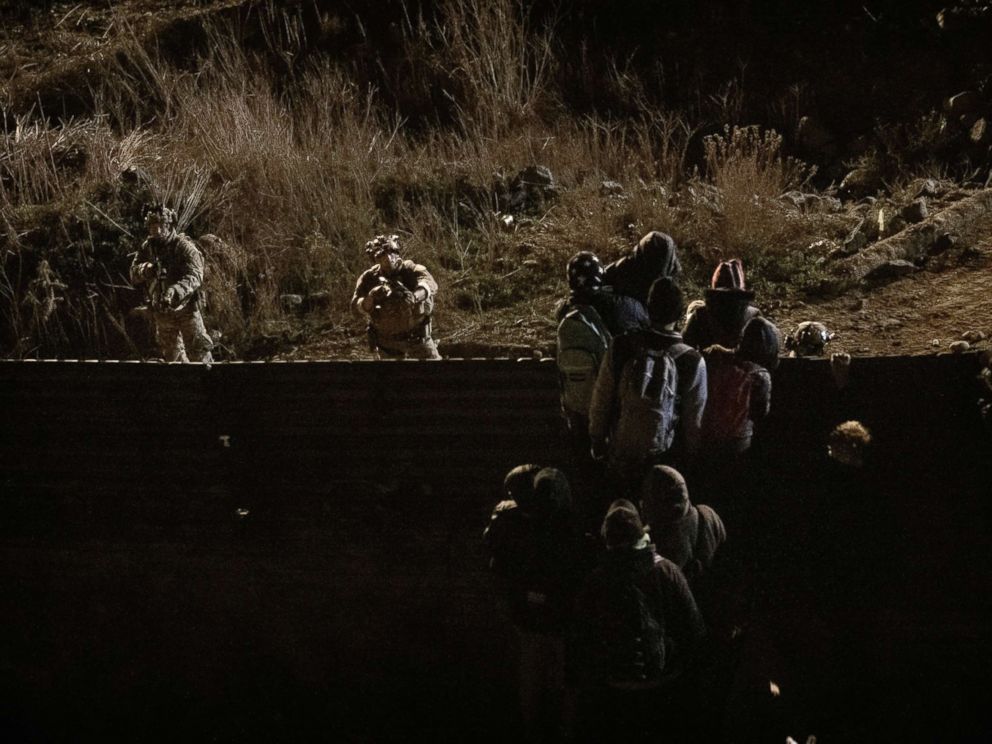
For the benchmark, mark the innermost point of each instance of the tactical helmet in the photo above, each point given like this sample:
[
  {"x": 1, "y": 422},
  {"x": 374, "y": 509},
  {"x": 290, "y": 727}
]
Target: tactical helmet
[
  {"x": 809, "y": 339},
  {"x": 382, "y": 244},
  {"x": 585, "y": 271},
  {"x": 160, "y": 213}
]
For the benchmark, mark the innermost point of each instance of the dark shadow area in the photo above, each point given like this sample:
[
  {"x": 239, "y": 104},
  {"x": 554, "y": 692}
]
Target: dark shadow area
[{"x": 262, "y": 552}]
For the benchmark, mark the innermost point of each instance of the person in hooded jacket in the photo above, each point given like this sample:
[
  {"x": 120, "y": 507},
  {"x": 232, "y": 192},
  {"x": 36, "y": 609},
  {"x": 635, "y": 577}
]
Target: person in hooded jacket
[
  {"x": 685, "y": 534},
  {"x": 721, "y": 317},
  {"x": 654, "y": 256},
  {"x": 536, "y": 553},
  {"x": 636, "y": 627}
]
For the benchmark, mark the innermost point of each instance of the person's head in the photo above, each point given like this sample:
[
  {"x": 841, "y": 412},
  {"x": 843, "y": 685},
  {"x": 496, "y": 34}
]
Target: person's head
[
  {"x": 665, "y": 302},
  {"x": 622, "y": 527},
  {"x": 385, "y": 251},
  {"x": 552, "y": 494},
  {"x": 659, "y": 254},
  {"x": 585, "y": 272},
  {"x": 809, "y": 338},
  {"x": 160, "y": 221},
  {"x": 760, "y": 343},
  {"x": 664, "y": 496},
  {"x": 519, "y": 484},
  {"x": 848, "y": 443}
]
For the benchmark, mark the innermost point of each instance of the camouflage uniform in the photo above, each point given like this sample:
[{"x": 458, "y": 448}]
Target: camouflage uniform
[
  {"x": 174, "y": 266},
  {"x": 399, "y": 324}
]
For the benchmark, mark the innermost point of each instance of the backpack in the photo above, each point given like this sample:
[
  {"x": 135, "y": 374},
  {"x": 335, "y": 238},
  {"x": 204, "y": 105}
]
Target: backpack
[
  {"x": 633, "y": 640},
  {"x": 728, "y": 401},
  {"x": 648, "y": 403},
  {"x": 583, "y": 339}
]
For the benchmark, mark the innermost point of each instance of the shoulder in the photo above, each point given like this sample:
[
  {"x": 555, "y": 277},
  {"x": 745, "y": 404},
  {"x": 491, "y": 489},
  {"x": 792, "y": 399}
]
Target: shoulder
[
  {"x": 185, "y": 242},
  {"x": 668, "y": 572}
]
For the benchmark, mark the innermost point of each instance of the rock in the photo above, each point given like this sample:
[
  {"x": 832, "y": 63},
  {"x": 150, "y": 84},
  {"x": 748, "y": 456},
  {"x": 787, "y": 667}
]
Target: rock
[
  {"x": 815, "y": 138},
  {"x": 530, "y": 188},
  {"x": 915, "y": 212},
  {"x": 531, "y": 263},
  {"x": 856, "y": 241},
  {"x": 610, "y": 188},
  {"x": 890, "y": 324},
  {"x": 859, "y": 182},
  {"x": 935, "y": 342},
  {"x": 890, "y": 222},
  {"x": 811, "y": 202},
  {"x": 959, "y": 347},
  {"x": 290, "y": 301},
  {"x": 967, "y": 102},
  {"x": 979, "y": 134},
  {"x": 506, "y": 223},
  {"x": 890, "y": 270},
  {"x": 858, "y": 304},
  {"x": 928, "y": 188},
  {"x": 320, "y": 300},
  {"x": 534, "y": 175},
  {"x": 944, "y": 242},
  {"x": 973, "y": 337}
]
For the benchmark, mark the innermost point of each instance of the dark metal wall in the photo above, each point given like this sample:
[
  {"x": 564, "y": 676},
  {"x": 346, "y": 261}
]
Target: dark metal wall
[{"x": 266, "y": 549}]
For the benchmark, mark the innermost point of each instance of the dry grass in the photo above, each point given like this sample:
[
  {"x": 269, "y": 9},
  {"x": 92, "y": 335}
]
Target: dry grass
[{"x": 295, "y": 174}]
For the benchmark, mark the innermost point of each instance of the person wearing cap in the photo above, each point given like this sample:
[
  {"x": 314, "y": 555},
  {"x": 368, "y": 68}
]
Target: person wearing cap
[
  {"x": 587, "y": 287},
  {"x": 687, "y": 535},
  {"x": 636, "y": 628},
  {"x": 397, "y": 296},
  {"x": 537, "y": 557},
  {"x": 721, "y": 317},
  {"x": 170, "y": 267},
  {"x": 654, "y": 256}
]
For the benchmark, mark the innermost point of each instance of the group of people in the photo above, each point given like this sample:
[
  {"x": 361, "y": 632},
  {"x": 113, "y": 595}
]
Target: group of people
[{"x": 605, "y": 578}]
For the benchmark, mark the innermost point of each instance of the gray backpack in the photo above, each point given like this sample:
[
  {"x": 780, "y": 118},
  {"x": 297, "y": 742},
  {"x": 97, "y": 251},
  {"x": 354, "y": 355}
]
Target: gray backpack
[
  {"x": 648, "y": 404},
  {"x": 582, "y": 342}
]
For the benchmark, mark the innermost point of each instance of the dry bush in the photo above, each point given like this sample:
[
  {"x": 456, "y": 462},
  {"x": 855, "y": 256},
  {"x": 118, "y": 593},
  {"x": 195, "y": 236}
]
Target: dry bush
[{"x": 749, "y": 172}]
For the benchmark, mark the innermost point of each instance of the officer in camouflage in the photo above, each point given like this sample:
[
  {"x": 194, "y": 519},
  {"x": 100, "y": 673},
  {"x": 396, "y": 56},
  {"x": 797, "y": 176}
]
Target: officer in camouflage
[
  {"x": 170, "y": 267},
  {"x": 398, "y": 297}
]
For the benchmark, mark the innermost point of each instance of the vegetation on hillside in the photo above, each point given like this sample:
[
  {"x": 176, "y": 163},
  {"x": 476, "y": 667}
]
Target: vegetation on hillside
[{"x": 293, "y": 161}]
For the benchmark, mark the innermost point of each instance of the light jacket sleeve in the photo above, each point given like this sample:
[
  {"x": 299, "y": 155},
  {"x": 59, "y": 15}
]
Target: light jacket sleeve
[
  {"x": 425, "y": 280},
  {"x": 603, "y": 398}
]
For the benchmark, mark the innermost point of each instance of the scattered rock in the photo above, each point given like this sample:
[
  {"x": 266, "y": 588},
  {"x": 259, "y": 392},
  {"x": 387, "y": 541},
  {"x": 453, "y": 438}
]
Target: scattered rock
[
  {"x": 935, "y": 342},
  {"x": 815, "y": 138},
  {"x": 959, "y": 347},
  {"x": 860, "y": 182},
  {"x": 896, "y": 342},
  {"x": 610, "y": 188},
  {"x": 856, "y": 241},
  {"x": 928, "y": 188},
  {"x": 290, "y": 301},
  {"x": 915, "y": 212},
  {"x": 890, "y": 222},
  {"x": 979, "y": 134},
  {"x": 530, "y": 188},
  {"x": 858, "y": 304},
  {"x": 890, "y": 324},
  {"x": 506, "y": 223},
  {"x": 973, "y": 337},
  {"x": 890, "y": 270},
  {"x": 967, "y": 102},
  {"x": 944, "y": 242},
  {"x": 531, "y": 263}
]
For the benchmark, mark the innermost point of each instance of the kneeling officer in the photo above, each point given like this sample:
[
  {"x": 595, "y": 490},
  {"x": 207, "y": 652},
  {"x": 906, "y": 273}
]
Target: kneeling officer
[{"x": 398, "y": 298}]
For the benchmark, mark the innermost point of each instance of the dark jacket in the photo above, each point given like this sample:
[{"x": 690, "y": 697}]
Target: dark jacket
[
  {"x": 654, "y": 256},
  {"x": 604, "y": 409},
  {"x": 689, "y": 537},
  {"x": 177, "y": 264},
  {"x": 619, "y": 312},
  {"x": 721, "y": 319},
  {"x": 595, "y": 612},
  {"x": 538, "y": 562}
]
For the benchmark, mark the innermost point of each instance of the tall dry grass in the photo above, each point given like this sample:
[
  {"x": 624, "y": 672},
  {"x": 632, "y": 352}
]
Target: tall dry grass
[{"x": 294, "y": 173}]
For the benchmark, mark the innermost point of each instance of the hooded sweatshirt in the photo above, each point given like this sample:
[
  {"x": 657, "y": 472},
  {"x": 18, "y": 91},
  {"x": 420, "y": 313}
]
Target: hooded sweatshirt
[
  {"x": 685, "y": 534},
  {"x": 654, "y": 256},
  {"x": 721, "y": 319}
]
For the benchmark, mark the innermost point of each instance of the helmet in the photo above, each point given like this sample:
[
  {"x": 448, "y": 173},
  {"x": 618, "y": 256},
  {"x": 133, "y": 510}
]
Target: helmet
[
  {"x": 160, "y": 213},
  {"x": 382, "y": 244},
  {"x": 809, "y": 339},
  {"x": 585, "y": 271}
]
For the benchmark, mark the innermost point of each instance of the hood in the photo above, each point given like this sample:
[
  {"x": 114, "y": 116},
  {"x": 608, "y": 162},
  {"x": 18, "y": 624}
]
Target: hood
[
  {"x": 657, "y": 255},
  {"x": 664, "y": 496},
  {"x": 729, "y": 306},
  {"x": 760, "y": 343}
]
